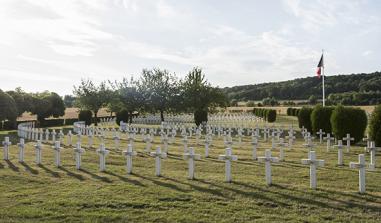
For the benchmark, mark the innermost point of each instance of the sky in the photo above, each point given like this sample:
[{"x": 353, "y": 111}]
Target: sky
[{"x": 52, "y": 44}]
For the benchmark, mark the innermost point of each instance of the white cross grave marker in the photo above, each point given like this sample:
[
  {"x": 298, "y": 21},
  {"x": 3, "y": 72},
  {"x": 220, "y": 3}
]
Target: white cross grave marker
[
  {"x": 281, "y": 145},
  {"x": 320, "y": 133},
  {"x": 329, "y": 139},
  {"x": 158, "y": 155},
  {"x": 348, "y": 139},
  {"x": 314, "y": 163},
  {"x": 102, "y": 152},
  {"x": 38, "y": 148},
  {"x": 6, "y": 143},
  {"x": 372, "y": 150},
  {"x": 57, "y": 154},
  {"x": 228, "y": 158},
  {"x": 21, "y": 146},
  {"x": 191, "y": 157},
  {"x": 267, "y": 159},
  {"x": 254, "y": 143},
  {"x": 69, "y": 138},
  {"x": 361, "y": 167},
  {"x": 339, "y": 152},
  {"x": 129, "y": 153},
  {"x": 78, "y": 155}
]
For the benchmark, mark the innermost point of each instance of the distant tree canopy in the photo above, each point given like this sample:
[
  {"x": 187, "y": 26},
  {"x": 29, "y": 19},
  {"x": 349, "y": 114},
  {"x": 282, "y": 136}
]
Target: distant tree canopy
[
  {"x": 46, "y": 104},
  {"x": 303, "y": 88},
  {"x": 91, "y": 96},
  {"x": 155, "y": 91},
  {"x": 8, "y": 107},
  {"x": 69, "y": 101}
]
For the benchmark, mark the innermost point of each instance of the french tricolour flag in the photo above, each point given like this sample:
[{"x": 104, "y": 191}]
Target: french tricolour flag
[{"x": 319, "y": 66}]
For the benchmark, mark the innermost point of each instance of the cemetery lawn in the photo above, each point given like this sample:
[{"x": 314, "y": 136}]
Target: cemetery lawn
[{"x": 44, "y": 193}]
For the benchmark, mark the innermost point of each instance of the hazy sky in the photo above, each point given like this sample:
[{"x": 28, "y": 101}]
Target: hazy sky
[{"x": 51, "y": 45}]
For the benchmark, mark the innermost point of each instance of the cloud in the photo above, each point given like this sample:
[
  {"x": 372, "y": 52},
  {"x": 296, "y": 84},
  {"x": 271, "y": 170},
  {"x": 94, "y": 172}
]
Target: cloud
[
  {"x": 104, "y": 39},
  {"x": 367, "y": 53}
]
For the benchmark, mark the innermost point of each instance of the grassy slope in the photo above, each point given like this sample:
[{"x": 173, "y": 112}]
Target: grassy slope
[{"x": 31, "y": 193}]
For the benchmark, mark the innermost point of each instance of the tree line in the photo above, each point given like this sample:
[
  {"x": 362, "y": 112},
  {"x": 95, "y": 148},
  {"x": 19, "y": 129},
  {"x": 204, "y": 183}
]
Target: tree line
[
  {"x": 365, "y": 89},
  {"x": 154, "y": 91}
]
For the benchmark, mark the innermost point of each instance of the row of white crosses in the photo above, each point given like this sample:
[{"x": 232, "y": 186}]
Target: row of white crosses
[{"x": 191, "y": 157}]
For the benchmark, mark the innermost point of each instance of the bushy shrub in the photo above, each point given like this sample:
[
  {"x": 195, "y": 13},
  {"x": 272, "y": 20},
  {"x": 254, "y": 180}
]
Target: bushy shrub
[
  {"x": 267, "y": 114},
  {"x": 289, "y": 111},
  {"x": 348, "y": 120},
  {"x": 375, "y": 126},
  {"x": 321, "y": 119},
  {"x": 52, "y": 122},
  {"x": 304, "y": 118},
  {"x": 122, "y": 115},
  {"x": 70, "y": 121},
  {"x": 200, "y": 116},
  {"x": 86, "y": 116},
  {"x": 271, "y": 115}
]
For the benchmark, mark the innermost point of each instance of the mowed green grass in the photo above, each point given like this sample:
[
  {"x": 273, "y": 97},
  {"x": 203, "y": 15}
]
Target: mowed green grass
[{"x": 44, "y": 193}]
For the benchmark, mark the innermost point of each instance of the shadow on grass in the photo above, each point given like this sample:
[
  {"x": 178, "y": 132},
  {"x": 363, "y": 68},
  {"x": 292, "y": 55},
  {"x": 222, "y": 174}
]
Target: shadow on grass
[
  {"x": 72, "y": 174},
  {"x": 29, "y": 169},
  {"x": 125, "y": 179},
  {"x": 51, "y": 172},
  {"x": 199, "y": 188},
  {"x": 97, "y": 177},
  {"x": 162, "y": 184},
  {"x": 176, "y": 157},
  {"x": 12, "y": 166}
]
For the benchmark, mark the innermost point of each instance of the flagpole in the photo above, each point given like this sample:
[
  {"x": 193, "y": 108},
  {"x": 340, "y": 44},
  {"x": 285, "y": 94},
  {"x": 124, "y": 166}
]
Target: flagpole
[{"x": 323, "y": 79}]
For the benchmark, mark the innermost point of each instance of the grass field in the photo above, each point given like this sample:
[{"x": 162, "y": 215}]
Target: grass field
[{"x": 44, "y": 193}]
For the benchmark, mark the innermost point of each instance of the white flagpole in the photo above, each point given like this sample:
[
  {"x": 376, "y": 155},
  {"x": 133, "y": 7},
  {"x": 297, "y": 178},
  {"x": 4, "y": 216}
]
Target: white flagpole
[{"x": 323, "y": 79}]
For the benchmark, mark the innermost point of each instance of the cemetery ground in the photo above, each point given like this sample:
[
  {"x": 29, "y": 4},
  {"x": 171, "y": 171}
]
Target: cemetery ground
[{"x": 45, "y": 193}]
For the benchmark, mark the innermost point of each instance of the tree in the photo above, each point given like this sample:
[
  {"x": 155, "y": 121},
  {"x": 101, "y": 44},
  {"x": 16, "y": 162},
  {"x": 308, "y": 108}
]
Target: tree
[
  {"x": 270, "y": 101},
  {"x": 159, "y": 88},
  {"x": 234, "y": 103},
  {"x": 69, "y": 101},
  {"x": 375, "y": 126},
  {"x": 92, "y": 97},
  {"x": 312, "y": 100},
  {"x": 8, "y": 107},
  {"x": 24, "y": 101},
  {"x": 130, "y": 95},
  {"x": 46, "y": 104},
  {"x": 350, "y": 120},
  {"x": 198, "y": 95}
]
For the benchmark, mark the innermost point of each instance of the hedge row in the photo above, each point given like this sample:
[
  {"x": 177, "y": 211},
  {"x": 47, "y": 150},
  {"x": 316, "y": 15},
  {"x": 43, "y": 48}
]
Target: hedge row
[
  {"x": 375, "y": 126},
  {"x": 9, "y": 125},
  {"x": 268, "y": 114},
  {"x": 338, "y": 120},
  {"x": 293, "y": 111}
]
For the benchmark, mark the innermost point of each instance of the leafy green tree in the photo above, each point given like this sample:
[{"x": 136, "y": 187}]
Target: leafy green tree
[
  {"x": 159, "y": 89},
  {"x": 69, "y": 101},
  {"x": 234, "y": 103},
  {"x": 348, "y": 120},
  {"x": 46, "y": 104},
  {"x": 198, "y": 95},
  {"x": 8, "y": 107},
  {"x": 312, "y": 100},
  {"x": 375, "y": 126},
  {"x": 92, "y": 97},
  {"x": 320, "y": 119},
  {"x": 270, "y": 101},
  {"x": 130, "y": 95},
  {"x": 24, "y": 101},
  {"x": 304, "y": 118}
]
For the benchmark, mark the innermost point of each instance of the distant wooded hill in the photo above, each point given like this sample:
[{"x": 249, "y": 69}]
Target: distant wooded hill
[{"x": 303, "y": 88}]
